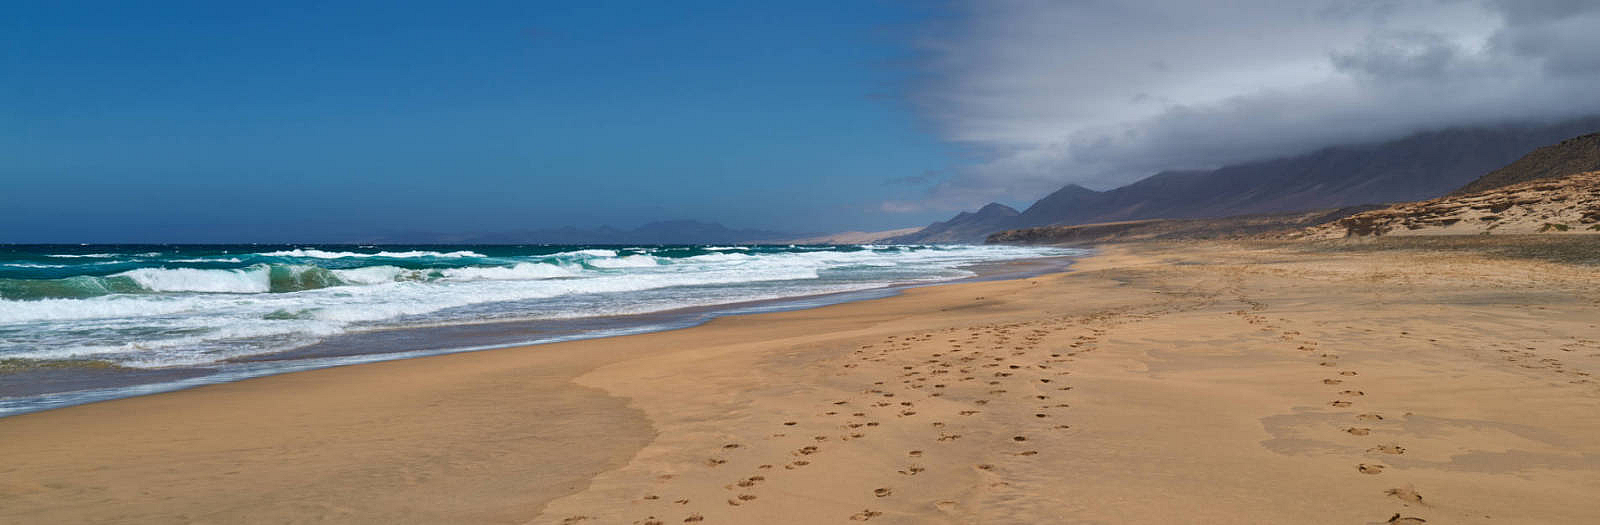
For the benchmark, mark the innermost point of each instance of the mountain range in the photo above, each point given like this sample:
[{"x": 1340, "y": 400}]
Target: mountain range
[{"x": 1420, "y": 166}]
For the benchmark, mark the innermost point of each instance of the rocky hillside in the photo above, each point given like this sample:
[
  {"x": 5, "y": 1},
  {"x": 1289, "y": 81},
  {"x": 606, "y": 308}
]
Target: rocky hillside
[
  {"x": 1240, "y": 227},
  {"x": 1422, "y": 166},
  {"x": 965, "y": 227},
  {"x": 1568, "y": 204},
  {"x": 1574, "y": 155}
]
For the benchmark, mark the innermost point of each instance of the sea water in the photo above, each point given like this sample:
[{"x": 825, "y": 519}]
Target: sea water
[{"x": 221, "y": 307}]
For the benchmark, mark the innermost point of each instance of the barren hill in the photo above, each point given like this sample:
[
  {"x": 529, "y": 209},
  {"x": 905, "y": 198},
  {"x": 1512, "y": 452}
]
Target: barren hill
[
  {"x": 1236, "y": 227},
  {"x": 1574, "y": 155},
  {"x": 1568, "y": 204}
]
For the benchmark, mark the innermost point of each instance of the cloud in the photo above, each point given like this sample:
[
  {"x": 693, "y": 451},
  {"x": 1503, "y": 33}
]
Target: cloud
[{"x": 1101, "y": 93}]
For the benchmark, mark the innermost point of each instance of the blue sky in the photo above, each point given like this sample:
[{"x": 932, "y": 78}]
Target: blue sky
[
  {"x": 213, "y": 121},
  {"x": 210, "y": 121}
]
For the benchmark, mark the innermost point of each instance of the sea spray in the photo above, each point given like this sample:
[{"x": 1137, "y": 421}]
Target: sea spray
[{"x": 158, "y": 306}]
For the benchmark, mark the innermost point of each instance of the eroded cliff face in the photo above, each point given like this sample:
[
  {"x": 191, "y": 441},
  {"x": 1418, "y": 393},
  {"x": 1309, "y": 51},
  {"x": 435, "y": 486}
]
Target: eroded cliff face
[{"x": 1568, "y": 204}]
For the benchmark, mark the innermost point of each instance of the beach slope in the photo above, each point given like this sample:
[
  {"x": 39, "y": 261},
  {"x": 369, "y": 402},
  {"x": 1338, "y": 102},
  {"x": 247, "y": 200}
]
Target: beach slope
[{"x": 1154, "y": 383}]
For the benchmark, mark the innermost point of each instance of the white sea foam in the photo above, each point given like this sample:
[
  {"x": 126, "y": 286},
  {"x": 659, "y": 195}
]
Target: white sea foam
[
  {"x": 626, "y": 261},
  {"x": 721, "y": 257},
  {"x": 254, "y": 279},
  {"x": 103, "y": 307},
  {"x": 520, "y": 271},
  {"x": 320, "y": 254},
  {"x": 195, "y": 316},
  {"x": 588, "y": 253},
  {"x": 377, "y": 274}
]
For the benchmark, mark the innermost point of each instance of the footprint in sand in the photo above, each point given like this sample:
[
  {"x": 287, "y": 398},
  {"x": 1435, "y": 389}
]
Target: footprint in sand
[
  {"x": 1352, "y": 393},
  {"x": 1331, "y": 381},
  {"x": 694, "y": 518},
  {"x": 882, "y": 492},
  {"x": 1347, "y": 373},
  {"x": 1358, "y": 431},
  {"x": 914, "y": 453},
  {"x": 1370, "y": 468},
  {"x": 1388, "y": 449},
  {"x": 1370, "y": 417},
  {"x": 865, "y": 515},
  {"x": 1340, "y": 404},
  {"x": 1397, "y": 519},
  {"x": 1405, "y": 494}
]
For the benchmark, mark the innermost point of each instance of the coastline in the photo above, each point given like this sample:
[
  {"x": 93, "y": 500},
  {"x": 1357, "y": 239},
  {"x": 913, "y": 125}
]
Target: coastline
[
  {"x": 91, "y": 385},
  {"x": 1197, "y": 383}
]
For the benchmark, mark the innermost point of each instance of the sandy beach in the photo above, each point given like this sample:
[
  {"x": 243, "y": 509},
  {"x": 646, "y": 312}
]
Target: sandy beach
[{"x": 1152, "y": 383}]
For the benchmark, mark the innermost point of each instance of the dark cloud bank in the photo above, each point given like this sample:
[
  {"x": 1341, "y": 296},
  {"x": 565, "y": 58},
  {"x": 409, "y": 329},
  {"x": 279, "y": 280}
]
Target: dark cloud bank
[{"x": 1104, "y": 93}]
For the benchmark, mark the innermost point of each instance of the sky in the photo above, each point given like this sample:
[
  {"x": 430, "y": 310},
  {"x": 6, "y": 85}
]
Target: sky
[
  {"x": 215, "y": 121},
  {"x": 218, "y": 122},
  {"x": 1101, "y": 92}
]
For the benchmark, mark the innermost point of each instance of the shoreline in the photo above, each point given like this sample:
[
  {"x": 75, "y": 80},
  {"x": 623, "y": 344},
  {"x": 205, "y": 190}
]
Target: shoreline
[
  {"x": 92, "y": 385},
  {"x": 1212, "y": 374}
]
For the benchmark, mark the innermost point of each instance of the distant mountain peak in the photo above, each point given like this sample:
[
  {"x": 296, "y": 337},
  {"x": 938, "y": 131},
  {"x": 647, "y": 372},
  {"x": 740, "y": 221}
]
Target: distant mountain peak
[
  {"x": 995, "y": 209},
  {"x": 1421, "y": 166}
]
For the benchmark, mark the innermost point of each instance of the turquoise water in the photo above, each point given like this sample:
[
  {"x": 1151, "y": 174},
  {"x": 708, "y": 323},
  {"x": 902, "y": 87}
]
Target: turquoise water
[{"x": 160, "y": 306}]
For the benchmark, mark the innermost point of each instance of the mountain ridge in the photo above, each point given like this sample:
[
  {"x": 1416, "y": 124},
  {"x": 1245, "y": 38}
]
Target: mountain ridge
[
  {"x": 1421, "y": 166},
  {"x": 1574, "y": 155}
]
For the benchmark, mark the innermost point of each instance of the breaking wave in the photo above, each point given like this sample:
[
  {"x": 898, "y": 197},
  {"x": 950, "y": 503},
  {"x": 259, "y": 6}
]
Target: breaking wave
[{"x": 203, "y": 304}]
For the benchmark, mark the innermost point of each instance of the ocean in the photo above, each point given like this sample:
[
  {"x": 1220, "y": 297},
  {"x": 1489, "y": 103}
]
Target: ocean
[{"x": 82, "y": 323}]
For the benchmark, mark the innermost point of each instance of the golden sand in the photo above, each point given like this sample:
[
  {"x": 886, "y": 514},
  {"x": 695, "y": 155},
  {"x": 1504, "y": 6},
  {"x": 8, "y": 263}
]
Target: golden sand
[{"x": 1152, "y": 384}]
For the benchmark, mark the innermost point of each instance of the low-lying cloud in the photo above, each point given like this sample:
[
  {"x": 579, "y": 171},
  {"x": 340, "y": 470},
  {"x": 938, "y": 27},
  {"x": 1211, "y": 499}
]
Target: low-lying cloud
[{"x": 1101, "y": 93}]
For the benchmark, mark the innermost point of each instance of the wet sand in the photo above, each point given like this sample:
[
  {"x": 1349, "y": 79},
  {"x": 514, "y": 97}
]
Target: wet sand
[{"x": 1153, "y": 384}]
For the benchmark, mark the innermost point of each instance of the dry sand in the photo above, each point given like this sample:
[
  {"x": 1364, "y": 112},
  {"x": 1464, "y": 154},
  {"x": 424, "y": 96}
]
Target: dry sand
[{"x": 1153, "y": 384}]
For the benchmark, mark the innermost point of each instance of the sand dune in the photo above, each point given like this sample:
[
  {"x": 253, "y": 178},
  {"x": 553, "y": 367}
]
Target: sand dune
[
  {"x": 1153, "y": 384},
  {"x": 1569, "y": 204}
]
